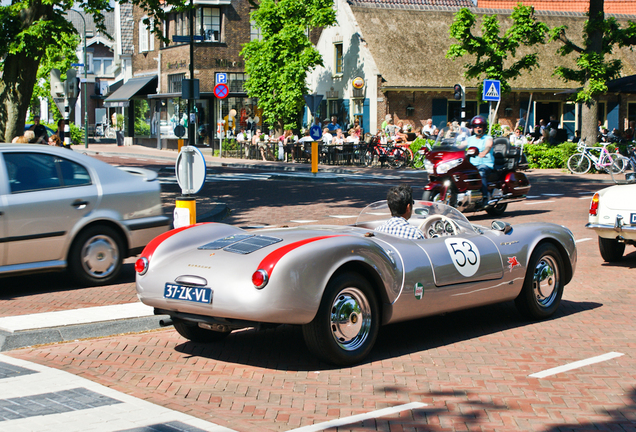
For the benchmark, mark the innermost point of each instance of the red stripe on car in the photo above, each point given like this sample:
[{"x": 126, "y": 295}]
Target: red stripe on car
[
  {"x": 150, "y": 248},
  {"x": 270, "y": 261}
]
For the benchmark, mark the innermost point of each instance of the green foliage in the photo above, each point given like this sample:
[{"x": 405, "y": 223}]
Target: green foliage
[
  {"x": 77, "y": 134},
  {"x": 230, "y": 144},
  {"x": 545, "y": 156},
  {"x": 491, "y": 50},
  {"x": 600, "y": 36},
  {"x": 142, "y": 126},
  {"x": 278, "y": 64}
]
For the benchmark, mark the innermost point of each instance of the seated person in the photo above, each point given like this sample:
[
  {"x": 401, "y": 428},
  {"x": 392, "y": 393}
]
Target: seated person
[
  {"x": 485, "y": 160},
  {"x": 517, "y": 139},
  {"x": 400, "y": 133},
  {"x": 400, "y": 201}
]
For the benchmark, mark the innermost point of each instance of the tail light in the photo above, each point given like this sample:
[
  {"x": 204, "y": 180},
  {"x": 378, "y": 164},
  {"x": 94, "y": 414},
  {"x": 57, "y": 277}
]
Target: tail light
[
  {"x": 594, "y": 205},
  {"x": 260, "y": 279},
  {"x": 141, "y": 265}
]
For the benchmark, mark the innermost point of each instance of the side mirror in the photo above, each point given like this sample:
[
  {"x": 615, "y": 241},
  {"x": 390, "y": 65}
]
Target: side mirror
[
  {"x": 472, "y": 151},
  {"x": 499, "y": 225}
]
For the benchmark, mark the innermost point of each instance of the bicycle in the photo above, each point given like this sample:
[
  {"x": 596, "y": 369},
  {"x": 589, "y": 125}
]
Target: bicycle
[
  {"x": 399, "y": 155},
  {"x": 628, "y": 168},
  {"x": 580, "y": 163}
]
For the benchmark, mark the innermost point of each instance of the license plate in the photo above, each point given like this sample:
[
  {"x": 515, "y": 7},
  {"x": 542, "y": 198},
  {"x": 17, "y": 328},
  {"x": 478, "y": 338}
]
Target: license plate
[{"x": 188, "y": 293}]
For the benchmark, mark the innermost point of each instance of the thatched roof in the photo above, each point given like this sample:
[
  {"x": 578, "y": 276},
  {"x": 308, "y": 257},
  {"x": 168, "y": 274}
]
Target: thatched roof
[{"x": 409, "y": 46}]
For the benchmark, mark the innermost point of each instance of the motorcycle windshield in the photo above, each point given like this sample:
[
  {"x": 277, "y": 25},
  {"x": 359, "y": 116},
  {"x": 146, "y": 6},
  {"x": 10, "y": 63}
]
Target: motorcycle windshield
[{"x": 452, "y": 138}]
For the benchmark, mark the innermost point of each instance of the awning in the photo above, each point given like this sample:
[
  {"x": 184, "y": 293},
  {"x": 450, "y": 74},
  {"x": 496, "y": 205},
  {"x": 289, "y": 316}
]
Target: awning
[
  {"x": 133, "y": 87},
  {"x": 622, "y": 85}
]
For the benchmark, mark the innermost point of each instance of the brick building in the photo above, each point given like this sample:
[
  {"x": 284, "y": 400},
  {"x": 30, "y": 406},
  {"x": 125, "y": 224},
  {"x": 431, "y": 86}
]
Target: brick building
[
  {"x": 152, "y": 98},
  {"x": 397, "y": 50}
]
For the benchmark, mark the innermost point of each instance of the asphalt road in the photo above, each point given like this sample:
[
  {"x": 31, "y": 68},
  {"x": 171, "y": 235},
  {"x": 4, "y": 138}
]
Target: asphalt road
[{"x": 461, "y": 371}]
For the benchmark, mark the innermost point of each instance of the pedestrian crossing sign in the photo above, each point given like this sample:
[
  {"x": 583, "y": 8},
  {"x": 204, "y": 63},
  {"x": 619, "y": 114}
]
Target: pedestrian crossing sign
[{"x": 492, "y": 90}]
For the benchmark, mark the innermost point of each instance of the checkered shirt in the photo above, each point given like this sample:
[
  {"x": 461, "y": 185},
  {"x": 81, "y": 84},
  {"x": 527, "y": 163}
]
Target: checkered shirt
[{"x": 398, "y": 226}]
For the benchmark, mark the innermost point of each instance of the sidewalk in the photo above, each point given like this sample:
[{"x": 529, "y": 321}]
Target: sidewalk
[{"x": 535, "y": 175}]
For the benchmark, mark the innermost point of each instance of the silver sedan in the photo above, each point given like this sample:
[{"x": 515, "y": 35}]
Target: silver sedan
[{"x": 60, "y": 209}]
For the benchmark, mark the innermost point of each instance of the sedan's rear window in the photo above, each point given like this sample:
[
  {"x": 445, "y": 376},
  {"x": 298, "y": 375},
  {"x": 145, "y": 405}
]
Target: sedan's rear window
[{"x": 38, "y": 171}]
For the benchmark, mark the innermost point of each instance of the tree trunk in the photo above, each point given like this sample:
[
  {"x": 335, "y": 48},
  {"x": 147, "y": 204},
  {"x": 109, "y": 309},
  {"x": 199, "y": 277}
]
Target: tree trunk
[
  {"x": 16, "y": 89},
  {"x": 589, "y": 127}
]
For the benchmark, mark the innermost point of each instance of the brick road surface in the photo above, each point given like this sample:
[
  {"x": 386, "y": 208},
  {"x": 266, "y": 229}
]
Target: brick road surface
[{"x": 471, "y": 368}]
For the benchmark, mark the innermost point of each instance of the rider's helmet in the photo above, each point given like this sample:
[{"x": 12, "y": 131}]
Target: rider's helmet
[{"x": 478, "y": 121}]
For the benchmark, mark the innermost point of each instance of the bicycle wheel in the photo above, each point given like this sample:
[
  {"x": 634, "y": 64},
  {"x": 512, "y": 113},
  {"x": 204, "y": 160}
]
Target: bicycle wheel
[
  {"x": 625, "y": 173},
  {"x": 614, "y": 164},
  {"x": 579, "y": 163},
  {"x": 396, "y": 158},
  {"x": 367, "y": 158}
]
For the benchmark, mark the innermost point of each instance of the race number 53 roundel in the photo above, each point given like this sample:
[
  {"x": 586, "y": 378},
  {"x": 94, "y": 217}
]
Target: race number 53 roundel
[{"x": 464, "y": 254}]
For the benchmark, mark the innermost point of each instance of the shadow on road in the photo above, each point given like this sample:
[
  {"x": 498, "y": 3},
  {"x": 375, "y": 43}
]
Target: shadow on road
[{"x": 283, "y": 348}]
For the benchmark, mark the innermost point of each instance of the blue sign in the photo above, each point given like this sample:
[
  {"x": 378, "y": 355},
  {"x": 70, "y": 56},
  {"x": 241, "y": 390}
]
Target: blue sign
[
  {"x": 77, "y": 64},
  {"x": 492, "y": 90},
  {"x": 221, "y": 78},
  {"x": 315, "y": 132}
]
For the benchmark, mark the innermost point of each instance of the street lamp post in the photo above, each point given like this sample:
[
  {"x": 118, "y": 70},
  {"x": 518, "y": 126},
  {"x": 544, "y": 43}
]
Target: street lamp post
[{"x": 85, "y": 83}]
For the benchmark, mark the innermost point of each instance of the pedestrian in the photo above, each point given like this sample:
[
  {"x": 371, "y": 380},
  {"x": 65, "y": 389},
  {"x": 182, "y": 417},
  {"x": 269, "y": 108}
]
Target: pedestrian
[
  {"x": 333, "y": 126},
  {"x": 41, "y": 136},
  {"x": 54, "y": 140},
  {"x": 60, "y": 129}
]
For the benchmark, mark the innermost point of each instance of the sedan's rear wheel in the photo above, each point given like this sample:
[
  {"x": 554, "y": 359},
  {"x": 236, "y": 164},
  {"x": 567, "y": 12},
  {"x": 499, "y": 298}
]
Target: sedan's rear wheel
[
  {"x": 96, "y": 256},
  {"x": 193, "y": 332},
  {"x": 611, "y": 250},
  {"x": 346, "y": 325},
  {"x": 543, "y": 286}
]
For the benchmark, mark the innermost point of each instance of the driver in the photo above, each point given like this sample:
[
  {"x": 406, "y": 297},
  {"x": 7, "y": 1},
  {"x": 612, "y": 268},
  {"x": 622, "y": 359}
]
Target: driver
[
  {"x": 485, "y": 160},
  {"x": 400, "y": 201}
]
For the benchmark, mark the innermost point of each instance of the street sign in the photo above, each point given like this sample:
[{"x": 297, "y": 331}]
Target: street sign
[
  {"x": 221, "y": 91},
  {"x": 179, "y": 131},
  {"x": 315, "y": 132},
  {"x": 190, "y": 170},
  {"x": 492, "y": 90},
  {"x": 221, "y": 78},
  {"x": 77, "y": 64}
]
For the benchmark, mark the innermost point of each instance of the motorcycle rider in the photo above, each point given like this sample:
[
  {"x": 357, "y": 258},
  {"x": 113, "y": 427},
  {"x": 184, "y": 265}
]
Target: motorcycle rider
[{"x": 485, "y": 160}]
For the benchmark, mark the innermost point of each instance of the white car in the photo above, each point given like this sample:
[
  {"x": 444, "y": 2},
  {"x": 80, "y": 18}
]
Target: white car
[
  {"x": 61, "y": 209},
  {"x": 613, "y": 216}
]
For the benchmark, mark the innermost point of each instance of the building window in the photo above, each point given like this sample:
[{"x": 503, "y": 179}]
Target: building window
[
  {"x": 208, "y": 24},
  {"x": 236, "y": 82},
  {"x": 255, "y": 32},
  {"x": 101, "y": 66},
  {"x": 146, "y": 38},
  {"x": 338, "y": 61},
  {"x": 174, "y": 82}
]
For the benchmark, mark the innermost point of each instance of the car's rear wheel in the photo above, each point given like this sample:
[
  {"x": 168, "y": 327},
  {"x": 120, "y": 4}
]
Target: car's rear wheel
[
  {"x": 193, "y": 332},
  {"x": 542, "y": 288},
  {"x": 346, "y": 325},
  {"x": 96, "y": 256},
  {"x": 611, "y": 249}
]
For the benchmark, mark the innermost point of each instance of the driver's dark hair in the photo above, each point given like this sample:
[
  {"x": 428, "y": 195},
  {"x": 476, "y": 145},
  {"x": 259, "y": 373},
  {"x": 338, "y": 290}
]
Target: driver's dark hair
[{"x": 398, "y": 198}]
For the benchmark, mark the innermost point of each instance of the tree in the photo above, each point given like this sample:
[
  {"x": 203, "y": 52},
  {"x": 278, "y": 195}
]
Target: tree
[
  {"x": 278, "y": 64},
  {"x": 30, "y": 28},
  {"x": 600, "y": 36},
  {"x": 491, "y": 50}
]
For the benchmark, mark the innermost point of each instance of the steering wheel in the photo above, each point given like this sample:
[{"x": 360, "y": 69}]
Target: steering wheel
[{"x": 438, "y": 226}]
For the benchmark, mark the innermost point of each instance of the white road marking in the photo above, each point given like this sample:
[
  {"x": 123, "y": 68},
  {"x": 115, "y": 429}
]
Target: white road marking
[
  {"x": 576, "y": 365},
  {"x": 342, "y": 216},
  {"x": 303, "y": 221},
  {"x": 359, "y": 418},
  {"x": 532, "y": 196},
  {"x": 546, "y": 194},
  {"x": 538, "y": 202},
  {"x": 582, "y": 240}
]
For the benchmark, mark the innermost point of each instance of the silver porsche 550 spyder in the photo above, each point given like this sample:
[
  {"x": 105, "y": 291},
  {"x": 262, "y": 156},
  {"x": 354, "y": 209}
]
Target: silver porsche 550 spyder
[{"x": 340, "y": 283}]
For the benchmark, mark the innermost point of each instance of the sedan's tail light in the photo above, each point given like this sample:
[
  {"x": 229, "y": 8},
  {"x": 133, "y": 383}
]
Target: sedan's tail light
[{"x": 594, "y": 205}]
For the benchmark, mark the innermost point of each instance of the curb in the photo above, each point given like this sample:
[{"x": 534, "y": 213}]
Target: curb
[{"x": 25, "y": 338}]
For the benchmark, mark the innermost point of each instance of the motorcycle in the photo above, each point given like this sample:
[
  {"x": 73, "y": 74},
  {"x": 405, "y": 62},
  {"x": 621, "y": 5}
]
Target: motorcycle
[{"x": 456, "y": 182}]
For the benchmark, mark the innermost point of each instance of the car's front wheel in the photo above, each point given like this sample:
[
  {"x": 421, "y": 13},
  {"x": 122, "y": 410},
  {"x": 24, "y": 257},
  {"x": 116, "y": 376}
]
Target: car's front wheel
[
  {"x": 193, "y": 332},
  {"x": 611, "y": 249},
  {"x": 543, "y": 286},
  {"x": 96, "y": 256},
  {"x": 346, "y": 325}
]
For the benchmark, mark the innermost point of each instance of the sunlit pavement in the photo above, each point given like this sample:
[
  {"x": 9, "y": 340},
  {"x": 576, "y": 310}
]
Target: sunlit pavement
[{"x": 468, "y": 370}]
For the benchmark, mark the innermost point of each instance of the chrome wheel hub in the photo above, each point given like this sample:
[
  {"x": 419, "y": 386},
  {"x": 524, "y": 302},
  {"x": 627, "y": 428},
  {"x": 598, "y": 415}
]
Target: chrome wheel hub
[
  {"x": 100, "y": 256},
  {"x": 350, "y": 319},
  {"x": 546, "y": 280}
]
